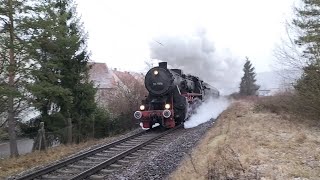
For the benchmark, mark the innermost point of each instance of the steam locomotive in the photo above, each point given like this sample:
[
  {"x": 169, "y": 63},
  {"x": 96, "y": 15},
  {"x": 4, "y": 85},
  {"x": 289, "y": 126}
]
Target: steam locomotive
[{"x": 172, "y": 96}]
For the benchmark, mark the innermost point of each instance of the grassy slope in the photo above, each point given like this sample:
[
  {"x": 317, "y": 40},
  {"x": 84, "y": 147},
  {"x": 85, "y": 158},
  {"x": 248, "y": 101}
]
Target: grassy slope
[{"x": 250, "y": 144}]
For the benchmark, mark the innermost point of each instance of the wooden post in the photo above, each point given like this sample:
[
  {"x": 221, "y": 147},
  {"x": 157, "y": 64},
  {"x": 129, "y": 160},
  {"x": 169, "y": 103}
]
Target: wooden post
[
  {"x": 69, "y": 131},
  {"x": 43, "y": 137},
  {"x": 40, "y": 142},
  {"x": 93, "y": 118}
]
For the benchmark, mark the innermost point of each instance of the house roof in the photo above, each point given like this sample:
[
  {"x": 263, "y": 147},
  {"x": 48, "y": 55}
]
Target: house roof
[
  {"x": 105, "y": 78},
  {"x": 101, "y": 76},
  {"x": 124, "y": 76},
  {"x": 130, "y": 76}
]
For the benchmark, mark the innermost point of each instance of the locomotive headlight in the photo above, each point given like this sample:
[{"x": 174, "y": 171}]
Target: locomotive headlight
[
  {"x": 166, "y": 113},
  {"x": 155, "y": 72},
  {"x": 137, "y": 114},
  {"x": 167, "y": 106},
  {"x": 142, "y": 107}
]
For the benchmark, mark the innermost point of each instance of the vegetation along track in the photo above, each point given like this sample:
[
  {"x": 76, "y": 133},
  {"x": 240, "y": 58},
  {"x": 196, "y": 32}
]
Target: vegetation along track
[{"x": 97, "y": 163}]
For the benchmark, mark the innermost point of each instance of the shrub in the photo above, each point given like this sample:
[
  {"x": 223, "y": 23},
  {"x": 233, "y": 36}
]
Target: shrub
[
  {"x": 276, "y": 104},
  {"x": 308, "y": 91},
  {"x": 286, "y": 102},
  {"x": 3, "y": 135},
  {"x": 107, "y": 125}
]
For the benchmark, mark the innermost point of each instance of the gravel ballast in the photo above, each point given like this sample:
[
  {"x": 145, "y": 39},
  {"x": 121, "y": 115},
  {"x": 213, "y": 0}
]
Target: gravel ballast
[{"x": 161, "y": 161}]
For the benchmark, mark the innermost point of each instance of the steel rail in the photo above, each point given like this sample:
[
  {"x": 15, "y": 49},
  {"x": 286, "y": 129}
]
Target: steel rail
[
  {"x": 114, "y": 159},
  {"x": 76, "y": 158}
]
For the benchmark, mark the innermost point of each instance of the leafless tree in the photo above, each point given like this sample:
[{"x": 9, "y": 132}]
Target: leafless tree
[
  {"x": 289, "y": 57},
  {"x": 128, "y": 95}
]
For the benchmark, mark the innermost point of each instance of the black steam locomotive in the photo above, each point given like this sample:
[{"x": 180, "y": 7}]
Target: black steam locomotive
[{"x": 171, "y": 96}]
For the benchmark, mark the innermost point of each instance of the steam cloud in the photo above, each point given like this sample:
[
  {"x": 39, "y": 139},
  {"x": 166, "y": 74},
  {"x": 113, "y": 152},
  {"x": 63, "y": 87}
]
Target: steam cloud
[
  {"x": 195, "y": 54},
  {"x": 209, "y": 109}
]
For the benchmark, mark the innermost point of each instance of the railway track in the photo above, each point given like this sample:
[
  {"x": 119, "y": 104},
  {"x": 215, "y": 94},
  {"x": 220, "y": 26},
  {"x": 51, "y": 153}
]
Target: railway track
[{"x": 97, "y": 163}]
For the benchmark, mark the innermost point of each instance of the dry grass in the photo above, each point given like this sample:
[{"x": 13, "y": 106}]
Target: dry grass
[
  {"x": 246, "y": 144},
  {"x": 12, "y": 166}
]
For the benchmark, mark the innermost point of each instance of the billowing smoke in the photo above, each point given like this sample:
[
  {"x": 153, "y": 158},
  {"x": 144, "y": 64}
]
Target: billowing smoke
[
  {"x": 195, "y": 54},
  {"x": 209, "y": 109}
]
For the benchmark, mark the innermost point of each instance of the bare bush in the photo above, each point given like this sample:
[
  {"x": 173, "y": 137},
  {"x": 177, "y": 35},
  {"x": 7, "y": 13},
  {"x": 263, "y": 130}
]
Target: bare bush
[
  {"x": 288, "y": 102},
  {"x": 281, "y": 102},
  {"x": 128, "y": 95},
  {"x": 225, "y": 165}
]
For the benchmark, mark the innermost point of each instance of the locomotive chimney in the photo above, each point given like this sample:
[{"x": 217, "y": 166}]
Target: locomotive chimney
[{"x": 163, "y": 65}]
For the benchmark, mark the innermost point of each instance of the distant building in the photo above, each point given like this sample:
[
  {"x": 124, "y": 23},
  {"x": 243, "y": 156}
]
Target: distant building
[
  {"x": 264, "y": 92},
  {"x": 126, "y": 77},
  {"x": 107, "y": 81},
  {"x": 103, "y": 81}
]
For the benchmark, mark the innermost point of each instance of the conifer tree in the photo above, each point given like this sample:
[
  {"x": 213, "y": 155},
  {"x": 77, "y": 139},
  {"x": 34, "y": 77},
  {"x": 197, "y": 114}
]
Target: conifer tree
[
  {"x": 61, "y": 82},
  {"x": 75, "y": 73},
  {"x": 47, "y": 51},
  {"x": 307, "y": 20},
  {"x": 247, "y": 85},
  {"x": 308, "y": 86},
  {"x": 308, "y": 89}
]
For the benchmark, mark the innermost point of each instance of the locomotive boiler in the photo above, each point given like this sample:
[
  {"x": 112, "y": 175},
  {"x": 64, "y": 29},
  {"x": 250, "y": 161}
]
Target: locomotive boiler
[{"x": 171, "y": 96}]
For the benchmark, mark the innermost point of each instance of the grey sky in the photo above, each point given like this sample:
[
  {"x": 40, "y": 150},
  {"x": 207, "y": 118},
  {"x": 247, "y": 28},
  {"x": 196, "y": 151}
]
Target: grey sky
[{"x": 120, "y": 31}]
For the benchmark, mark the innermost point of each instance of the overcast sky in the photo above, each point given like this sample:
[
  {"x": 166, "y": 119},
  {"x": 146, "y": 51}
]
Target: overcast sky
[{"x": 120, "y": 32}]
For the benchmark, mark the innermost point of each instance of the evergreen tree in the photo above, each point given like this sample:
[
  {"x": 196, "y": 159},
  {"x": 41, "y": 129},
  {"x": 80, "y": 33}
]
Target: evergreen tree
[
  {"x": 308, "y": 86},
  {"x": 307, "y": 20},
  {"x": 75, "y": 72},
  {"x": 247, "y": 85},
  {"x": 45, "y": 49},
  {"x": 61, "y": 82},
  {"x": 308, "y": 89},
  {"x": 15, "y": 64}
]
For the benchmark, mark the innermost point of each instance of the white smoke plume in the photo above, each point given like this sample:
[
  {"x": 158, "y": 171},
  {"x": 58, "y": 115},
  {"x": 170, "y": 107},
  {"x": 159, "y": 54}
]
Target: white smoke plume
[
  {"x": 209, "y": 109},
  {"x": 195, "y": 54}
]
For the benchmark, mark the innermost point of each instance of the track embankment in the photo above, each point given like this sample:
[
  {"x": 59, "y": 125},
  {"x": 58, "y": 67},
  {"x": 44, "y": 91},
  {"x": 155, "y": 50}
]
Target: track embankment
[
  {"x": 15, "y": 166},
  {"x": 246, "y": 143}
]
